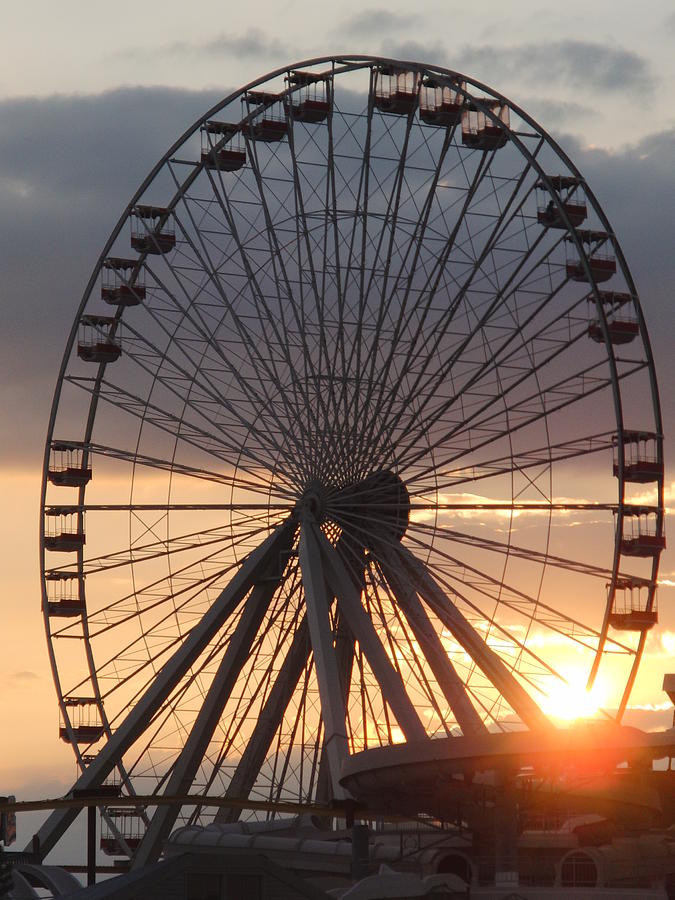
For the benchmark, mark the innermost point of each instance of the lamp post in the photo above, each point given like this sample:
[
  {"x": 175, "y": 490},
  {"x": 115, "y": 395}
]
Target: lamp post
[{"x": 104, "y": 792}]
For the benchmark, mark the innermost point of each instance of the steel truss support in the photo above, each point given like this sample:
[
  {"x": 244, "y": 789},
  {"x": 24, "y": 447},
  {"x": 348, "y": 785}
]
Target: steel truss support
[
  {"x": 354, "y": 558},
  {"x": 484, "y": 657},
  {"x": 201, "y": 733},
  {"x": 269, "y": 720},
  {"x": 143, "y": 712},
  {"x": 344, "y": 651},
  {"x": 360, "y": 623},
  {"x": 325, "y": 663},
  {"x": 425, "y": 634}
]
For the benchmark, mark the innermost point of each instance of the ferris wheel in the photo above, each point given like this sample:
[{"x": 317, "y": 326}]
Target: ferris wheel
[{"x": 356, "y": 440}]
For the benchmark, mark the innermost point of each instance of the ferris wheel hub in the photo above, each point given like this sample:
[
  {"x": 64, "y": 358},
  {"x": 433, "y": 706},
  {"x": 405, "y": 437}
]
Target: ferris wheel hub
[
  {"x": 378, "y": 507},
  {"x": 313, "y": 500}
]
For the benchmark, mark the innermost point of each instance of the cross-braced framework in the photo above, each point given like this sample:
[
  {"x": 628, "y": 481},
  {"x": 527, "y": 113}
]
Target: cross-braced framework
[{"x": 361, "y": 412}]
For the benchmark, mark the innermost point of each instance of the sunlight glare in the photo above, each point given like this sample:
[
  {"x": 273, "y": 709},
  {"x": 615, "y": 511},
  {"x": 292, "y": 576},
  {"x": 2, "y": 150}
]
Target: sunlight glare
[{"x": 571, "y": 700}]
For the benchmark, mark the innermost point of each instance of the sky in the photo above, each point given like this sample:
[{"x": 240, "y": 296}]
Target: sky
[{"x": 90, "y": 100}]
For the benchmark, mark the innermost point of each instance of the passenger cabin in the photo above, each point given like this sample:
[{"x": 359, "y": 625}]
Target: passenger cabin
[
  {"x": 601, "y": 262},
  {"x": 222, "y": 147},
  {"x": 121, "y": 822},
  {"x": 84, "y": 718},
  {"x": 98, "y": 339},
  {"x": 642, "y": 534},
  {"x": 485, "y": 127},
  {"x": 64, "y": 529},
  {"x": 309, "y": 97},
  {"x": 633, "y": 606},
  {"x": 441, "y": 104},
  {"x": 268, "y": 120},
  {"x": 152, "y": 230},
  {"x": 566, "y": 202},
  {"x": 396, "y": 90},
  {"x": 122, "y": 281},
  {"x": 622, "y": 323},
  {"x": 66, "y": 465},
  {"x": 641, "y": 463},
  {"x": 63, "y": 594}
]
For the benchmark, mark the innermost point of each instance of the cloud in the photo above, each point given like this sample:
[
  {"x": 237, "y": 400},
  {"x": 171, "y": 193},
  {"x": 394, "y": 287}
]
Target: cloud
[
  {"x": 374, "y": 22},
  {"x": 70, "y": 164},
  {"x": 556, "y": 113},
  {"x": 253, "y": 43},
  {"x": 68, "y": 167},
  {"x": 415, "y": 51},
  {"x": 570, "y": 62},
  {"x": 23, "y": 676}
]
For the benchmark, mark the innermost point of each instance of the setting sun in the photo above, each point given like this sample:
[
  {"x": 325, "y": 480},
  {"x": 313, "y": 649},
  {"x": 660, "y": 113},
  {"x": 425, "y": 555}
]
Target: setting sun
[{"x": 571, "y": 700}]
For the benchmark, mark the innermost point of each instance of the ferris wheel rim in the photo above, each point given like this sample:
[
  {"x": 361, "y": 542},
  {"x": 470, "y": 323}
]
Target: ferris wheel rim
[{"x": 356, "y": 62}]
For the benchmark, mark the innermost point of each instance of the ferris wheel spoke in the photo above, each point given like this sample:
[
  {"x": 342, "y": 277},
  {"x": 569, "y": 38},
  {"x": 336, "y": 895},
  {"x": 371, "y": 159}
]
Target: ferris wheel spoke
[
  {"x": 188, "y": 541},
  {"x": 408, "y": 655},
  {"x": 516, "y": 506},
  {"x": 430, "y": 288},
  {"x": 199, "y": 393},
  {"x": 179, "y": 601},
  {"x": 523, "y": 367},
  {"x": 252, "y": 345},
  {"x": 331, "y": 274},
  {"x": 415, "y": 247},
  {"x": 176, "y": 598},
  {"x": 389, "y": 225},
  {"x": 511, "y": 645},
  {"x": 117, "y": 613},
  {"x": 282, "y": 281},
  {"x": 171, "y": 465},
  {"x": 285, "y": 771},
  {"x": 323, "y": 421},
  {"x": 432, "y": 342},
  {"x": 201, "y": 732},
  {"x": 537, "y": 458},
  {"x": 167, "y": 421},
  {"x": 303, "y": 236},
  {"x": 249, "y": 341},
  {"x": 359, "y": 218},
  {"x": 435, "y": 278},
  {"x": 193, "y": 315},
  {"x": 180, "y": 507},
  {"x": 518, "y": 357},
  {"x": 511, "y": 549},
  {"x": 537, "y": 406},
  {"x": 508, "y": 595},
  {"x": 435, "y": 654}
]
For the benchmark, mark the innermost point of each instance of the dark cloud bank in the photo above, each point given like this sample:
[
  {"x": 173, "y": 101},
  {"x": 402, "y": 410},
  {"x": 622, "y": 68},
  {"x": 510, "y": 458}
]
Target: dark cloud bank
[
  {"x": 578, "y": 64},
  {"x": 69, "y": 165}
]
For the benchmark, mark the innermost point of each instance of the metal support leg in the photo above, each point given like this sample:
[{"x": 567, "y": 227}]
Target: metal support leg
[
  {"x": 91, "y": 845},
  {"x": 172, "y": 671}
]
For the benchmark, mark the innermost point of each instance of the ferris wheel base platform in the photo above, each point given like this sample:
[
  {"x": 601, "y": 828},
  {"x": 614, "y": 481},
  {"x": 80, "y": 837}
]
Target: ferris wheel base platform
[{"x": 601, "y": 767}]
